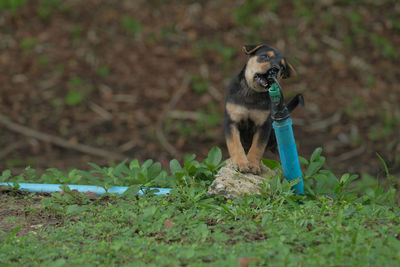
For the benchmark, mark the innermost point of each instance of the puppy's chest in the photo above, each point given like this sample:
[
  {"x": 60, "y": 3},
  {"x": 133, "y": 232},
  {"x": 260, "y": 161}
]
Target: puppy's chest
[{"x": 239, "y": 113}]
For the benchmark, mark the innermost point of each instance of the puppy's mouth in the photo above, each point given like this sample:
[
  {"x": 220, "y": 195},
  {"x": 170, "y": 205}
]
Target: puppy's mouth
[{"x": 265, "y": 80}]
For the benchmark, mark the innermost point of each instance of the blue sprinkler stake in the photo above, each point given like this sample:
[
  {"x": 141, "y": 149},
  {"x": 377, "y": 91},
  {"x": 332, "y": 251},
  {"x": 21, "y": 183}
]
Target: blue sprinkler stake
[{"x": 284, "y": 136}]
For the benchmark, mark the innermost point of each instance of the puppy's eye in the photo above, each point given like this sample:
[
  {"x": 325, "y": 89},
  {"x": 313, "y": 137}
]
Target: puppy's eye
[{"x": 263, "y": 58}]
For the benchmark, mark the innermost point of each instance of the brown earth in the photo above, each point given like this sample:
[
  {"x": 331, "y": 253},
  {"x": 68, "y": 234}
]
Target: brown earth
[
  {"x": 120, "y": 75},
  {"x": 22, "y": 210}
]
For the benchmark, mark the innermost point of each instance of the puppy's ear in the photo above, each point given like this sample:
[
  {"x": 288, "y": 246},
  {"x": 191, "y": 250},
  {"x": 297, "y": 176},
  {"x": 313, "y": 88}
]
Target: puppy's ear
[
  {"x": 250, "y": 49},
  {"x": 289, "y": 70}
]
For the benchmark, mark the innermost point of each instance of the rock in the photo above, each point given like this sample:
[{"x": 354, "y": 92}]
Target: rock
[{"x": 231, "y": 184}]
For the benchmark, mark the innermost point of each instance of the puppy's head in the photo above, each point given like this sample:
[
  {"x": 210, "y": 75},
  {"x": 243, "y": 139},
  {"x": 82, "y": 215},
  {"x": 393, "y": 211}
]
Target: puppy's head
[{"x": 264, "y": 63}]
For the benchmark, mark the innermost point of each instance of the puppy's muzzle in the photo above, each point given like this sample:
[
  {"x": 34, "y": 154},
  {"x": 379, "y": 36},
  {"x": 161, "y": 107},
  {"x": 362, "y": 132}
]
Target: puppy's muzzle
[{"x": 272, "y": 74}]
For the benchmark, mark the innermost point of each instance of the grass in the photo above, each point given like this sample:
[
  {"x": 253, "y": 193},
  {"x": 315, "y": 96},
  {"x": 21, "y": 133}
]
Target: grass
[{"x": 335, "y": 224}]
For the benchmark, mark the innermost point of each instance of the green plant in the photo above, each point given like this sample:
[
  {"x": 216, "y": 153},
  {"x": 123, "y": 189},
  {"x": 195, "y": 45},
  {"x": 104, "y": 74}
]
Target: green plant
[
  {"x": 384, "y": 46},
  {"x": 193, "y": 171},
  {"x": 12, "y": 5},
  {"x": 131, "y": 25},
  {"x": 103, "y": 71},
  {"x": 77, "y": 35},
  {"x": 77, "y": 92},
  {"x": 47, "y": 7},
  {"x": 249, "y": 12},
  {"x": 199, "y": 84},
  {"x": 304, "y": 9},
  {"x": 385, "y": 125},
  {"x": 28, "y": 44},
  {"x": 323, "y": 182},
  {"x": 43, "y": 60},
  {"x": 356, "y": 23},
  {"x": 225, "y": 52}
]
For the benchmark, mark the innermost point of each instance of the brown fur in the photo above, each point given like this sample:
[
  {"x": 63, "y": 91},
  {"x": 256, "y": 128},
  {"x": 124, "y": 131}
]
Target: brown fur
[{"x": 236, "y": 150}]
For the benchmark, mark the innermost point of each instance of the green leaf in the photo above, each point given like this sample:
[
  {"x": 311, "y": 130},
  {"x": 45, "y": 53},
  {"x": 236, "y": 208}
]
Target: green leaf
[
  {"x": 134, "y": 164},
  {"x": 154, "y": 171},
  {"x": 147, "y": 164},
  {"x": 316, "y": 154},
  {"x": 96, "y": 167},
  {"x": 74, "y": 98},
  {"x": 272, "y": 164},
  {"x": 174, "y": 166},
  {"x": 132, "y": 191},
  {"x": 315, "y": 166},
  {"x": 214, "y": 156},
  {"x": 303, "y": 161},
  {"x": 188, "y": 158},
  {"x": 5, "y": 175}
]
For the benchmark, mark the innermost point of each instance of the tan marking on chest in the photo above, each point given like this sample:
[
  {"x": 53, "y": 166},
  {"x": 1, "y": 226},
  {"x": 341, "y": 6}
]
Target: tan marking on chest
[
  {"x": 238, "y": 113},
  {"x": 258, "y": 116}
]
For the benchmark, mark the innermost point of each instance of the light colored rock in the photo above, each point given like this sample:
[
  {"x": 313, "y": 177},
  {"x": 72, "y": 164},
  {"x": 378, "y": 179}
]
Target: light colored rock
[{"x": 231, "y": 184}]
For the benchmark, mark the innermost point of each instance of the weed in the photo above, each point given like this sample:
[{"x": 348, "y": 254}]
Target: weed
[
  {"x": 356, "y": 23},
  {"x": 103, "y": 71},
  {"x": 250, "y": 12},
  {"x": 385, "y": 126},
  {"x": 12, "y": 5},
  {"x": 199, "y": 84},
  {"x": 384, "y": 46},
  {"x": 304, "y": 9},
  {"x": 193, "y": 171},
  {"x": 43, "y": 60},
  {"x": 225, "y": 52},
  {"x": 131, "y": 25},
  {"x": 357, "y": 108},
  {"x": 28, "y": 45},
  {"x": 47, "y": 7},
  {"x": 77, "y": 92},
  {"x": 76, "y": 35}
]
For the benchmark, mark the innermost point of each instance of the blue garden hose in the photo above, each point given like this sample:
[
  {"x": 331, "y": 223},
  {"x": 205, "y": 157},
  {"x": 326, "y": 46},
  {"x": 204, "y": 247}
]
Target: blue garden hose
[
  {"x": 284, "y": 136},
  {"x": 50, "y": 188}
]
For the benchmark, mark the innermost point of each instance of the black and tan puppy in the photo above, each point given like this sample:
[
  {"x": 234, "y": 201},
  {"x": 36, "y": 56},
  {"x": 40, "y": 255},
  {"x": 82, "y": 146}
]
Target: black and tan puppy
[{"x": 247, "y": 123}]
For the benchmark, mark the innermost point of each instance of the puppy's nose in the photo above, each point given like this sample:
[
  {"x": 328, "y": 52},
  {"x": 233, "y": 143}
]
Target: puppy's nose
[{"x": 274, "y": 70}]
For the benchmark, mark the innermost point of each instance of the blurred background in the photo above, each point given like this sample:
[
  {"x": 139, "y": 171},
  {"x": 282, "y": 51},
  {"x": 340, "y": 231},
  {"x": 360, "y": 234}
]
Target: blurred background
[{"x": 97, "y": 81}]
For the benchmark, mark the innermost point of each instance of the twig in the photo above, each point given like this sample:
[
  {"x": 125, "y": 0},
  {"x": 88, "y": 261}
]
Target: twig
[
  {"x": 183, "y": 115},
  {"x": 351, "y": 154},
  {"x": 323, "y": 124},
  {"x": 57, "y": 140},
  {"x": 11, "y": 147},
  {"x": 101, "y": 111},
  {"x": 174, "y": 100}
]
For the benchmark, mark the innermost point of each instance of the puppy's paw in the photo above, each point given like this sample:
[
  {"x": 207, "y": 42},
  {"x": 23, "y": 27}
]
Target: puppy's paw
[
  {"x": 242, "y": 165},
  {"x": 254, "y": 167}
]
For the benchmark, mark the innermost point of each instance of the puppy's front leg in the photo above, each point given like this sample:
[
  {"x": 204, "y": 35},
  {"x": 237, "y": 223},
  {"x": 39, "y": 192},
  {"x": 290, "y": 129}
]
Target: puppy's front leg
[
  {"x": 235, "y": 148},
  {"x": 257, "y": 148}
]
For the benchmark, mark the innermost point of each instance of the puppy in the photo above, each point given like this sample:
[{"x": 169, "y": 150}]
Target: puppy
[{"x": 247, "y": 123}]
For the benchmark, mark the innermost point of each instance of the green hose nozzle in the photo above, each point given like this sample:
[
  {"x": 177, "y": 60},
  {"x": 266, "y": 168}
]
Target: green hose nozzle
[
  {"x": 279, "y": 111},
  {"x": 274, "y": 92}
]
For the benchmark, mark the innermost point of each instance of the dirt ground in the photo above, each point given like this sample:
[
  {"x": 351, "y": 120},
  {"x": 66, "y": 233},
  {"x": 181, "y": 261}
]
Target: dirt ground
[
  {"x": 21, "y": 211},
  {"x": 147, "y": 79}
]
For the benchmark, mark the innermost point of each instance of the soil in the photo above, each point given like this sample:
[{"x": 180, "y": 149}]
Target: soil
[
  {"x": 119, "y": 75},
  {"x": 22, "y": 210}
]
